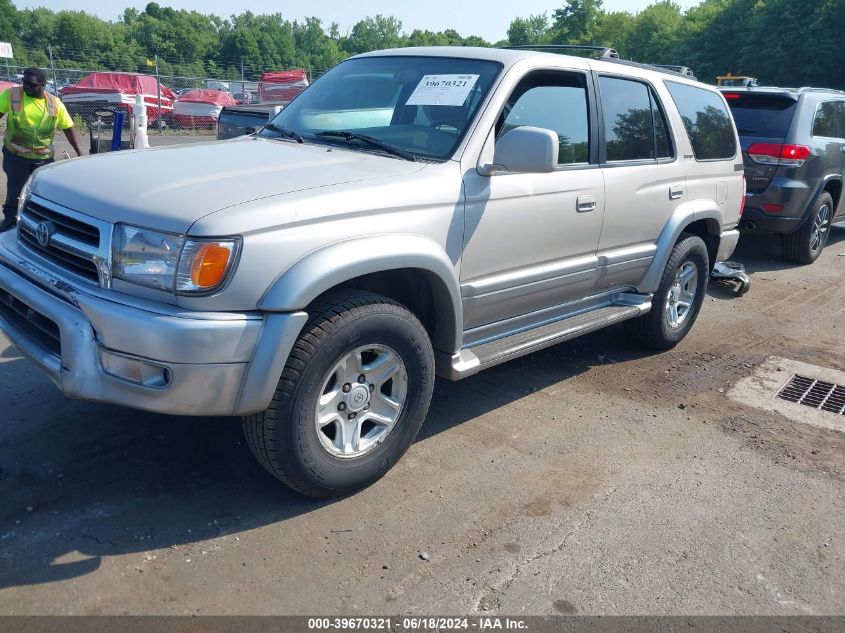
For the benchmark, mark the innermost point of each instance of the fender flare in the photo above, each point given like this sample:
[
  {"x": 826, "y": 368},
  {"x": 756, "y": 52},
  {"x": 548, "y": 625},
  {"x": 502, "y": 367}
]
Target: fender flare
[
  {"x": 808, "y": 212},
  {"x": 684, "y": 215},
  {"x": 321, "y": 270}
]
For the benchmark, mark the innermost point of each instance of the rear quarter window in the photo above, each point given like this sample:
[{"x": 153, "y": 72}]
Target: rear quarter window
[
  {"x": 707, "y": 121},
  {"x": 825, "y": 121}
]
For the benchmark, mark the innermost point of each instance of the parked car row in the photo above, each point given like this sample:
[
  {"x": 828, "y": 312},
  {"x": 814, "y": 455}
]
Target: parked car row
[
  {"x": 185, "y": 108},
  {"x": 414, "y": 212}
]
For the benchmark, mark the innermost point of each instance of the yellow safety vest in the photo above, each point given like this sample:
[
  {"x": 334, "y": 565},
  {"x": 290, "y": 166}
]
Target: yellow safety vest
[{"x": 29, "y": 139}]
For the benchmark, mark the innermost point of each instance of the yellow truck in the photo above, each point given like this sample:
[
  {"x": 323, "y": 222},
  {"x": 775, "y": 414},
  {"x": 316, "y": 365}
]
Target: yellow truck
[{"x": 736, "y": 80}]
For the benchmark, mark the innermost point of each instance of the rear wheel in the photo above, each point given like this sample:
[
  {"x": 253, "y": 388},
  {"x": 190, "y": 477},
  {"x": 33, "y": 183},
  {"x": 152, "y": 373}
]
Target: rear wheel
[
  {"x": 805, "y": 245},
  {"x": 351, "y": 399},
  {"x": 678, "y": 298}
]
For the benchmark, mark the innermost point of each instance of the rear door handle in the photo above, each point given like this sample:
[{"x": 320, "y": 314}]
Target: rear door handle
[
  {"x": 676, "y": 191},
  {"x": 585, "y": 203}
]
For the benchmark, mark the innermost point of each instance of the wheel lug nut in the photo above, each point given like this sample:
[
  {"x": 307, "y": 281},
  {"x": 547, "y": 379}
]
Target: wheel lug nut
[
  {"x": 362, "y": 379},
  {"x": 351, "y": 416},
  {"x": 366, "y": 407},
  {"x": 372, "y": 388},
  {"x": 347, "y": 388},
  {"x": 341, "y": 406}
]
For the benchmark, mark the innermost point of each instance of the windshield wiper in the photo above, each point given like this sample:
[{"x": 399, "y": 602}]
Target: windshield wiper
[
  {"x": 369, "y": 140},
  {"x": 284, "y": 132},
  {"x": 745, "y": 130}
]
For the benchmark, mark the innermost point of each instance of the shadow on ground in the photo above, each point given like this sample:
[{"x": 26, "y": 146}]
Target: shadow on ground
[
  {"x": 81, "y": 481},
  {"x": 102, "y": 480}
]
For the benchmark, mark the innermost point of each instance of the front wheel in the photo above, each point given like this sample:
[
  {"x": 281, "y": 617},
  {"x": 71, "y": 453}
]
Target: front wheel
[
  {"x": 351, "y": 399},
  {"x": 678, "y": 299}
]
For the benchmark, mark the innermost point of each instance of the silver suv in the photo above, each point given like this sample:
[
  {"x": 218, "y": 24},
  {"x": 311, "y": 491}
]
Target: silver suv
[{"x": 414, "y": 211}]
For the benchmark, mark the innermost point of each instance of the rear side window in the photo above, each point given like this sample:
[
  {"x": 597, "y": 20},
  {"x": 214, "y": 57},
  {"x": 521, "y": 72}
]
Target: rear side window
[
  {"x": 824, "y": 123},
  {"x": 706, "y": 120},
  {"x": 634, "y": 125},
  {"x": 761, "y": 115}
]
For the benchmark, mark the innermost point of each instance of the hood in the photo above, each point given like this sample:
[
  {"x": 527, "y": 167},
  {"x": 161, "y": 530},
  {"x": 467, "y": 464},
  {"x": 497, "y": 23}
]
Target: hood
[{"x": 170, "y": 188}]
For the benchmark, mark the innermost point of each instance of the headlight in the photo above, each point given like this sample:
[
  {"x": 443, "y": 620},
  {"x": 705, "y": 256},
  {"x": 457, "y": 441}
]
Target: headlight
[
  {"x": 171, "y": 262},
  {"x": 24, "y": 194},
  {"x": 145, "y": 257}
]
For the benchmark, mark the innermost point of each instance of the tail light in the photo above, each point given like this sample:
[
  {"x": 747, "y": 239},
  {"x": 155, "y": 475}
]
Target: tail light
[
  {"x": 778, "y": 155},
  {"x": 744, "y": 191}
]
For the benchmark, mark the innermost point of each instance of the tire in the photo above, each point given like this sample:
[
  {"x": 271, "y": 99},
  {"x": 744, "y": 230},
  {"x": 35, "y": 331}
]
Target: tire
[
  {"x": 684, "y": 281},
  {"x": 347, "y": 333},
  {"x": 807, "y": 243}
]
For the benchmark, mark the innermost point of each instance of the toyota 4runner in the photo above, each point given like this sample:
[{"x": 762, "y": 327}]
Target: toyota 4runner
[{"x": 414, "y": 211}]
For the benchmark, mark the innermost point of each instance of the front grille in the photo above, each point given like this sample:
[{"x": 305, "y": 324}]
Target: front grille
[
  {"x": 33, "y": 324},
  {"x": 825, "y": 396},
  {"x": 81, "y": 231},
  {"x": 73, "y": 244}
]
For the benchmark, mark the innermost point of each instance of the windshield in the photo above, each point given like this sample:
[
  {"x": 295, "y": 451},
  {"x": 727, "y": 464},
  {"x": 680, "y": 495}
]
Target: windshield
[{"x": 419, "y": 105}]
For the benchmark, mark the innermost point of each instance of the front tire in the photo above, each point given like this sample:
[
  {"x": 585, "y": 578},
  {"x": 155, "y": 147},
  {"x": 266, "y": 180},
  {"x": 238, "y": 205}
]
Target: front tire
[
  {"x": 806, "y": 244},
  {"x": 678, "y": 299},
  {"x": 351, "y": 398}
]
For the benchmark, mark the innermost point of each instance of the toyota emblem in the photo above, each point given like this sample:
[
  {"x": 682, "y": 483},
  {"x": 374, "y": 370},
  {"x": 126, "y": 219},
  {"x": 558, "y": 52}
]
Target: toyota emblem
[{"x": 43, "y": 232}]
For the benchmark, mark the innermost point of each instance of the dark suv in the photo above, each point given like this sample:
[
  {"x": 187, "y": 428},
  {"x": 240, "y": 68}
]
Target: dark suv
[{"x": 793, "y": 143}]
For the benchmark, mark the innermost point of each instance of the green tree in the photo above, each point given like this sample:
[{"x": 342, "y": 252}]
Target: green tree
[
  {"x": 372, "y": 34},
  {"x": 654, "y": 37},
  {"x": 531, "y": 30},
  {"x": 576, "y": 22}
]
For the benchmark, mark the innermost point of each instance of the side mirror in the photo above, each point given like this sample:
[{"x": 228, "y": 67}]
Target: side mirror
[
  {"x": 274, "y": 112},
  {"x": 526, "y": 150}
]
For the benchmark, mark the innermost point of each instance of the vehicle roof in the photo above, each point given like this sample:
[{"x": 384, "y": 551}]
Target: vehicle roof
[{"x": 510, "y": 56}]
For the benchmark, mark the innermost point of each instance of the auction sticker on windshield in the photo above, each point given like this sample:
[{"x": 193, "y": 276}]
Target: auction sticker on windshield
[{"x": 445, "y": 90}]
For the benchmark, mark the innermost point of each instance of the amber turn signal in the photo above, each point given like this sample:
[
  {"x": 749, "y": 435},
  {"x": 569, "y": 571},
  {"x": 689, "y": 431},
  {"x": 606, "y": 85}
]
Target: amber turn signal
[{"x": 209, "y": 266}]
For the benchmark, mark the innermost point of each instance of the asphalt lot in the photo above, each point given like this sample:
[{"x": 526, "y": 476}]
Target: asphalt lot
[{"x": 590, "y": 478}]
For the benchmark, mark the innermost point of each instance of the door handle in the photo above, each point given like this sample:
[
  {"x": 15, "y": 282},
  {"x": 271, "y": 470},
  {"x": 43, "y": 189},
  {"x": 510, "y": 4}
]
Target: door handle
[
  {"x": 676, "y": 191},
  {"x": 585, "y": 204}
]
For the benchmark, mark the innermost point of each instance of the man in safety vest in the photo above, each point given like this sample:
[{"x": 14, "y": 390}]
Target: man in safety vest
[{"x": 34, "y": 116}]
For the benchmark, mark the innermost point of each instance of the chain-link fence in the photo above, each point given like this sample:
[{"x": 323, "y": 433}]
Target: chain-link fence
[{"x": 174, "y": 104}]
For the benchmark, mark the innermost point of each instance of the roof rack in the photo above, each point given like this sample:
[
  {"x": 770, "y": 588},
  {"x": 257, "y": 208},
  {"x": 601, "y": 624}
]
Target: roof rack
[
  {"x": 684, "y": 70},
  {"x": 606, "y": 53}
]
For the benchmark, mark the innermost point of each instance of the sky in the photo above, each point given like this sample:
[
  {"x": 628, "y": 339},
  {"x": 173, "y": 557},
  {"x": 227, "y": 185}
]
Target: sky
[{"x": 488, "y": 18}]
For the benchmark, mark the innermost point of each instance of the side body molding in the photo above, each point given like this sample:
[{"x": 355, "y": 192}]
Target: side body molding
[
  {"x": 321, "y": 270},
  {"x": 685, "y": 214}
]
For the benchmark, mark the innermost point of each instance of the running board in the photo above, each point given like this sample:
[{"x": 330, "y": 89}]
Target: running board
[{"x": 472, "y": 360}]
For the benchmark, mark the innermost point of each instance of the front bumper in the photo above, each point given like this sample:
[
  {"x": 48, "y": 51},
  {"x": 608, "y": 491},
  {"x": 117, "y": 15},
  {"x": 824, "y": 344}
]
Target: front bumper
[{"x": 193, "y": 363}]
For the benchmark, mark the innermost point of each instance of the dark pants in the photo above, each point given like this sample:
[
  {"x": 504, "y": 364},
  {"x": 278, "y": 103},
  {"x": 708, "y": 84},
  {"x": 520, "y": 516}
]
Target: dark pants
[{"x": 17, "y": 171}]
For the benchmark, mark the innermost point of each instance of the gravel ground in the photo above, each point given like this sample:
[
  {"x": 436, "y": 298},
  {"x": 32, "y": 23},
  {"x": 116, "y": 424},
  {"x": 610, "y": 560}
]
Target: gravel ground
[{"x": 590, "y": 478}]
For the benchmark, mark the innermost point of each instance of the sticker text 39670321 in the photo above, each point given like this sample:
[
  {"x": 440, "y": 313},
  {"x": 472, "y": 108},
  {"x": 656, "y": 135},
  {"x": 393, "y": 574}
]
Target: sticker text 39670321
[{"x": 444, "y": 90}]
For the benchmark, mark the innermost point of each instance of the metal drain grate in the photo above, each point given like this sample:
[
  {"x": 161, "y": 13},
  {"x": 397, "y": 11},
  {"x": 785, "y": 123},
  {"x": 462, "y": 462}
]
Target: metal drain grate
[{"x": 817, "y": 394}]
